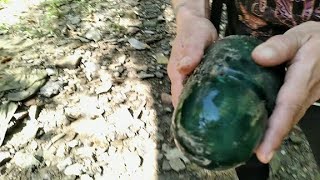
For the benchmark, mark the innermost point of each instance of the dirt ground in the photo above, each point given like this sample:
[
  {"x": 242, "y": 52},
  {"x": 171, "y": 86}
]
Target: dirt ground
[{"x": 103, "y": 110}]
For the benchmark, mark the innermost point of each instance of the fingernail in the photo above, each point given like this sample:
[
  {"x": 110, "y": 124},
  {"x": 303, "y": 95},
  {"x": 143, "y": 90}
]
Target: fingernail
[
  {"x": 266, "y": 51},
  {"x": 269, "y": 157}
]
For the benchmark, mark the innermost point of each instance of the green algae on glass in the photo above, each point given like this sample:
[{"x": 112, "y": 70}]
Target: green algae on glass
[{"x": 225, "y": 104}]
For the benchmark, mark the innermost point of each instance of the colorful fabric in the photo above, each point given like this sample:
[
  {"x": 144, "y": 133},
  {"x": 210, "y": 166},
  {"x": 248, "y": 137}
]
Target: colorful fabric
[{"x": 265, "y": 18}]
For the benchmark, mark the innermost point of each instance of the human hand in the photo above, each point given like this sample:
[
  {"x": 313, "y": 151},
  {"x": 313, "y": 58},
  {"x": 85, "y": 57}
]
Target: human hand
[
  {"x": 194, "y": 34},
  {"x": 299, "y": 47}
]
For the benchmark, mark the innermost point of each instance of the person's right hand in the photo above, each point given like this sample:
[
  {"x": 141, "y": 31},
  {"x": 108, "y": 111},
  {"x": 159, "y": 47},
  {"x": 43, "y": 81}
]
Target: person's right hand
[{"x": 194, "y": 34}]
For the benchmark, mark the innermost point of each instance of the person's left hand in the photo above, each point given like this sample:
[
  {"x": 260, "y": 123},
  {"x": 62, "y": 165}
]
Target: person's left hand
[{"x": 300, "y": 48}]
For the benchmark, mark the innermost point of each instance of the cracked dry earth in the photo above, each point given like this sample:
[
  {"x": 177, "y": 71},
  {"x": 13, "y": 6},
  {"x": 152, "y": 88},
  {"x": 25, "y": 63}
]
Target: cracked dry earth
[{"x": 104, "y": 110}]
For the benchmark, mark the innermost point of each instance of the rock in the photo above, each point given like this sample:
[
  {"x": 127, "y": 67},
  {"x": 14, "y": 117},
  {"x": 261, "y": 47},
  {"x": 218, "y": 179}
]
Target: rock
[
  {"x": 122, "y": 119},
  {"x": 132, "y": 161},
  {"x": 51, "y": 71},
  {"x": 91, "y": 70},
  {"x": 93, "y": 34},
  {"x": 74, "y": 19},
  {"x": 129, "y": 22},
  {"x": 33, "y": 112},
  {"x": 159, "y": 74},
  {"x": 20, "y": 115},
  {"x": 25, "y": 160},
  {"x": 175, "y": 153},
  {"x": 51, "y": 88},
  {"x": 61, "y": 150},
  {"x": 85, "y": 152},
  {"x": 105, "y": 87},
  {"x": 70, "y": 62},
  {"x": 85, "y": 177},
  {"x": 161, "y": 58},
  {"x": 166, "y": 98},
  {"x": 166, "y": 166},
  {"x": 7, "y": 111},
  {"x": 137, "y": 44},
  {"x": 143, "y": 75},
  {"x": 4, "y": 158},
  {"x": 73, "y": 113},
  {"x": 74, "y": 169},
  {"x": 177, "y": 164}
]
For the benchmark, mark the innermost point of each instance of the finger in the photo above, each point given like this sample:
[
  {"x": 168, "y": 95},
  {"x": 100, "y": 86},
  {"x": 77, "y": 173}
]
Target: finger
[
  {"x": 176, "y": 79},
  {"x": 293, "y": 98},
  {"x": 176, "y": 87},
  {"x": 278, "y": 49},
  {"x": 188, "y": 63}
]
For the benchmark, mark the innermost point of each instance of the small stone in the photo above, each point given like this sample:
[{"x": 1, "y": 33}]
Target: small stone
[
  {"x": 143, "y": 75},
  {"x": 177, "y": 164},
  {"x": 143, "y": 133},
  {"x": 51, "y": 88},
  {"x": 137, "y": 44},
  {"x": 33, "y": 112},
  {"x": 20, "y": 115},
  {"x": 94, "y": 34},
  {"x": 132, "y": 161},
  {"x": 91, "y": 70},
  {"x": 74, "y": 19},
  {"x": 175, "y": 153},
  {"x": 34, "y": 145},
  {"x": 85, "y": 152},
  {"x": 132, "y": 30},
  {"x": 61, "y": 151},
  {"x": 70, "y": 62},
  {"x": 166, "y": 166},
  {"x": 73, "y": 113},
  {"x": 51, "y": 71},
  {"x": 166, "y": 98},
  {"x": 25, "y": 160},
  {"x": 159, "y": 75},
  {"x": 74, "y": 169},
  {"x": 105, "y": 87},
  {"x": 168, "y": 109},
  {"x": 73, "y": 143},
  {"x": 4, "y": 158},
  {"x": 161, "y": 58},
  {"x": 63, "y": 164},
  {"x": 85, "y": 177}
]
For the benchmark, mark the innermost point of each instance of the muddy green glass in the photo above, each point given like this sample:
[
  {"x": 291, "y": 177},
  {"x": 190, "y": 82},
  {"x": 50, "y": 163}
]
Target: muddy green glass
[{"x": 225, "y": 104}]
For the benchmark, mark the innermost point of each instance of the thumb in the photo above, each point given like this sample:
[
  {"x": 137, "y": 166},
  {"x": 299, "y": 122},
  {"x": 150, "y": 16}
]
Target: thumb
[
  {"x": 278, "y": 49},
  {"x": 189, "y": 62}
]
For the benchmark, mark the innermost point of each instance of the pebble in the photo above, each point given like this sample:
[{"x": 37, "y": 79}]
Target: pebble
[
  {"x": 4, "y": 158},
  {"x": 25, "y": 160},
  {"x": 144, "y": 75},
  {"x": 72, "y": 113},
  {"x": 166, "y": 98},
  {"x": 165, "y": 165},
  {"x": 175, "y": 153},
  {"x": 132, "y": 161},
  {"x": 70, "y": 62},
  {"x": 93, "y": 34},
  {"x": 74, "y": 169},
  {"x": 177, "y": 164},
  {"x": 51, "y": 88},
  {"x": 136, "y": 44},
  {"x": 159, "y": 74},
  {"x": 85, "y": 177},
  {"x": 63, "y": 164},
  {"x": 161, "y": 58}
]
